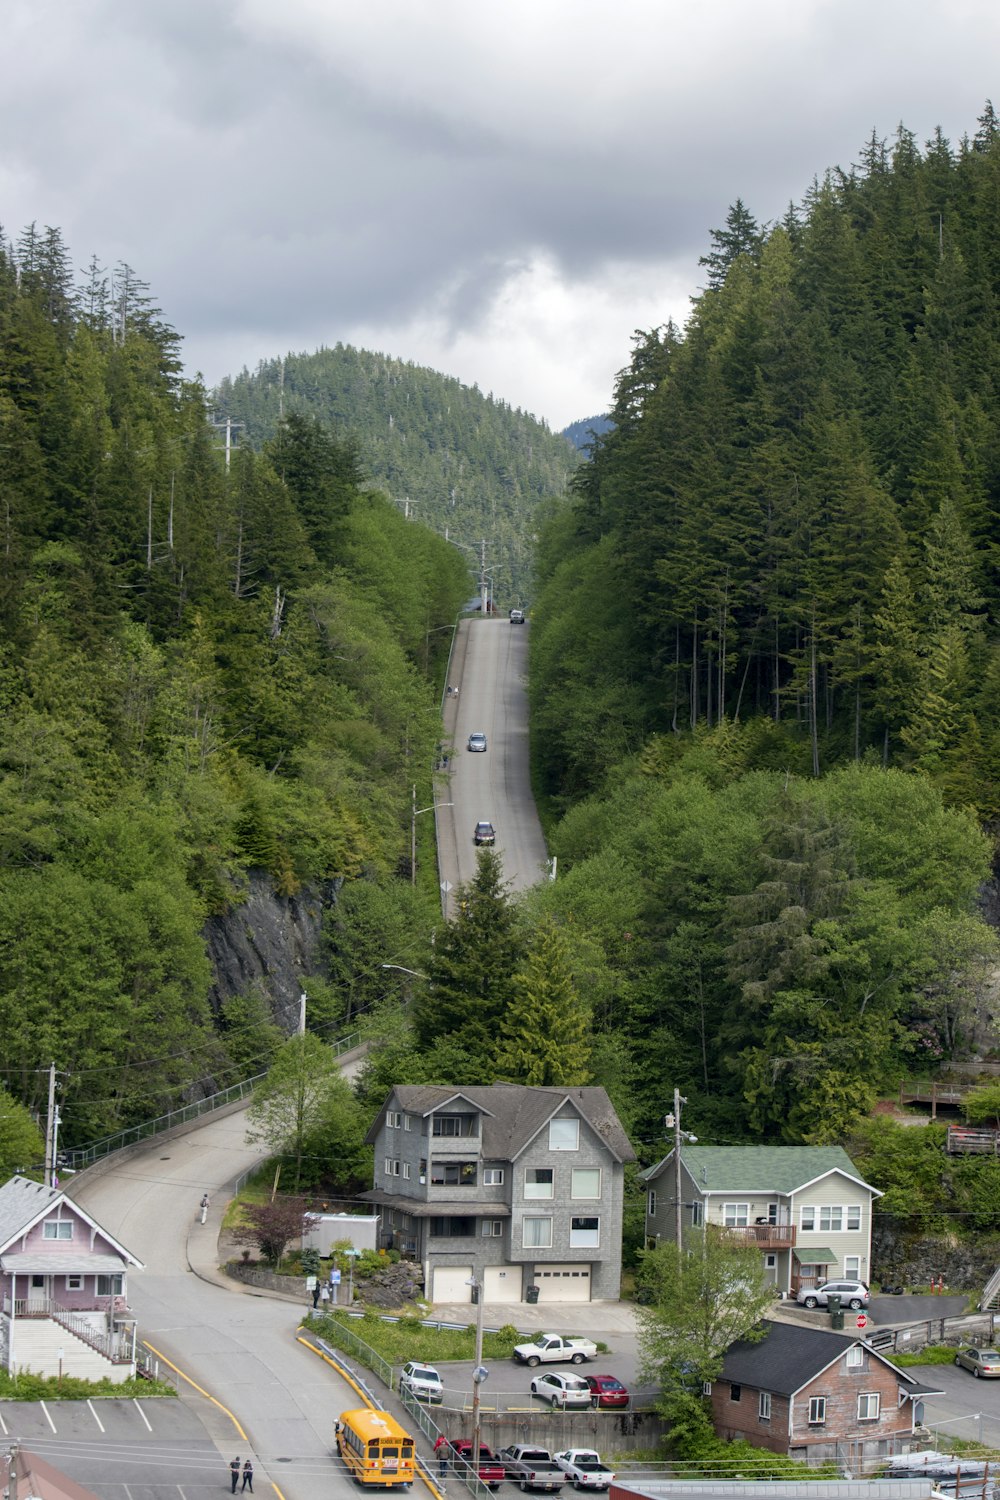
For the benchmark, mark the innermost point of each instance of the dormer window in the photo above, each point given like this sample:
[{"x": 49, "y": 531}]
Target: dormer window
[
  {"x": 455, "y": 1125},
  {"x": 57, "y": 1229},
  {"x": 564, "y": 1135}
]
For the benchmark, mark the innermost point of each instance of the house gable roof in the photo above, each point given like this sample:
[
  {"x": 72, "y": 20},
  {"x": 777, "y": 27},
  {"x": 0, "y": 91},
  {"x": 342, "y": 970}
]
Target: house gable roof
[
  {"x": 513, "y": 1114},
  {"x": 24, "y": 1203},
  {"x": 760, "y": 1169},
  {"x": 789, "y": 1356}
]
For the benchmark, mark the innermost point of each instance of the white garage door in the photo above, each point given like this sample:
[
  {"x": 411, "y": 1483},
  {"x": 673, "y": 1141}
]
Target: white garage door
[
  {"x": 502, "y": 1283},
  {"x": 563, "y": 1283},
  {"x": 451, "y": 1284}
]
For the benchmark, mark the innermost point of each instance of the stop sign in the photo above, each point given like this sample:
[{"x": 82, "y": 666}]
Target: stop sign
[{"x": 862, "y": 1320}]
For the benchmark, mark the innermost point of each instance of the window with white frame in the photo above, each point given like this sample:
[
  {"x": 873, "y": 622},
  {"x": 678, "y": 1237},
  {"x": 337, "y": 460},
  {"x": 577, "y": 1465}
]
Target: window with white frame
[
  {"x": 831, "y": 1218},
  {"x": 393, "y": 1119},
  {"x": 538, "y": 1182},
  {"x": 74, "y": 1283},
  {"x": 868, "y": 1406},
  {"x": 697, "y": 1213},
  {"x": 855, "y": 1357},
  {"x": 57, "y": 1229},
  {"x": 735, "y": 1215},
  {"x": 110, "y": 1286},
  {"x": 407, "y": 1122},
  {"x": 387, "y": 1164},
  {"x": 406, "y": 1171},
  {"x": 537, "y": 1232},
  {"x": 564, "y": 1135},
  {"x": 852, "y": 1267},
  {"x": 807, "y": 1216},
  {"x": 817, "y": 1411},
  {"x": 764, "y": 1406},
  {"x": 493, "y": 1228},
  {"x": 584, "y": 1233},
  {"x": 493, "y": 1177},
  {"x": 585, "y": 1182},
  {"x": 853, "y": 1212},
  {"x": 651, "y": 1206}
]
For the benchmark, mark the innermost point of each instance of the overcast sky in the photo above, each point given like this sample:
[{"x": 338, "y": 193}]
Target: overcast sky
[{"x": 503, "y": 192}]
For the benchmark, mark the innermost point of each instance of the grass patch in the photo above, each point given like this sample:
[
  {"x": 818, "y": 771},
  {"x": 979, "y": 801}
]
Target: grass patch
[
  {"x": 934, "y": 1354},
  {"x": 26, "y": 1386},
  {"x": 410, "y": 1339},
  {"x": 257, "y": 1189}
]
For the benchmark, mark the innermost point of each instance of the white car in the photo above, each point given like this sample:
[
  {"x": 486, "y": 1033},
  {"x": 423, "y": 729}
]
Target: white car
[
  {"x": 584, "y": 1468},
  {"x": 561, "y": 1390},
  {"x": 422, "y": 1381}
]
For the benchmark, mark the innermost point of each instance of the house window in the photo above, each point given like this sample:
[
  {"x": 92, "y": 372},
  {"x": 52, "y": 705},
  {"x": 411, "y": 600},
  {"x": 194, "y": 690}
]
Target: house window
[
  {"x": 735, "y": 1392},
  {"x": 584, "y": 1233},
  {"x": 585, "y": 1182},
  {"x": 455, "y": 1125},
  {"x": 407, "y": 1122},
  {"x": 770, "y": 1262},
  {"x": 697, "y": 1210},
  {"x": 393, "y": 1119},
  {"x": 452, "y": 1227},
  {"x": 564, "y": 1135},
  {"x": 854, "y": 1216},
  {"x": 852, "y": 1267},
  {"x": 538, "y": 1182},
  {"x": 808, "y": 1216},
  {"x": 764, "y": 1406},
  {"x": 453, "y": 1173},
  {"x": 537, "y": 1232},
  {"x": 74, "y": 1283},
  {"x": 868, "y": 1406},
  {"x": 58, "y": 1229},
  {"x": 735, "y": 1215},
  {"x": 387, "y": 1164},
  {"x": 651, "y": 1206},
  {"x": 493, "y": 1177},
  {"x": 817, "y": 1411},
  {"x": 493, "y": 1228},
  {"x": 855, "y": 1357},
  {"x": 406, "y": 1171},
  {"x": 831, "y": 1219},
  {"x": 110, "y": 1286}
]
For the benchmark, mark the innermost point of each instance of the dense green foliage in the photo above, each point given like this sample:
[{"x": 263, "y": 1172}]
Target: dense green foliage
[
  {"x": 468, "y": 465},
  {"x": 202, "y": 671},
  {"x": 794, "y": 515}
]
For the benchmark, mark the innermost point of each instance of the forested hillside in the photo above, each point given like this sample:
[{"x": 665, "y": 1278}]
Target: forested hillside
[
  {"x": 468, "y": 465},
  {"x": 201, "y": 672},
  {"x": 765, "y": 667}
]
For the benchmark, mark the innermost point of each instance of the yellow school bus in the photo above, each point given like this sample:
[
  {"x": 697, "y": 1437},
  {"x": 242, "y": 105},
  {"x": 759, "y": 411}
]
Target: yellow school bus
[{"x": 375, "y": 1449}]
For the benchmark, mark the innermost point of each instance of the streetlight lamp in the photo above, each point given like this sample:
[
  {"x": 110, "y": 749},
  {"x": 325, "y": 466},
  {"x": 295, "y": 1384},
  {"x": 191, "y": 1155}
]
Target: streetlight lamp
[
  {"x": 414, "y": 972},
  {"x": 479, "y": 1372},
  {"x": 414, "y": 815}
]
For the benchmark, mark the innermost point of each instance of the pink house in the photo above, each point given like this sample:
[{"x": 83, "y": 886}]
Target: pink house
[{"x": 63, "y": 1288}]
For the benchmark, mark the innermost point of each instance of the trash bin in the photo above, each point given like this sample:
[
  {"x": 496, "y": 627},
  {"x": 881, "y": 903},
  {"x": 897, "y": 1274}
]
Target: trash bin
[
  {"x": 531, "y": 1295},
  {"x": 835, "y": 1310}
]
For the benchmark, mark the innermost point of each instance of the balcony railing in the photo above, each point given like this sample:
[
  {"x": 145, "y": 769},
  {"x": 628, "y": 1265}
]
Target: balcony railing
[
  {"x": 764, "y": 1236},
  {"x": 116, "y": 1346}
]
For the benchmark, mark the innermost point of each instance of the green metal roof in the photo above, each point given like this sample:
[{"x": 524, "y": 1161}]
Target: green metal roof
[
  {"x": 759, "y": 1169},
  {"x": 815, "y": 1255}
]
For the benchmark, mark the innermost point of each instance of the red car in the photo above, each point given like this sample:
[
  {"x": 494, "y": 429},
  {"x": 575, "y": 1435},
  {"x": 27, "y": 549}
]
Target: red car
[
  {"x": 606, "y": 1390},
  {"x": 491, "y": 1470}
]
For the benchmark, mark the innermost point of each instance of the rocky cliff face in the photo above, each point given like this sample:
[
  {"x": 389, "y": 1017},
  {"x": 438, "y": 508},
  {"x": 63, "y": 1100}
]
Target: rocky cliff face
[{"x": 269, "y": 942}]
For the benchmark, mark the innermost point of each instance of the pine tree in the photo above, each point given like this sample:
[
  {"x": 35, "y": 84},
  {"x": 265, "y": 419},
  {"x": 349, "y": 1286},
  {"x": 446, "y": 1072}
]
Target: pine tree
[{"x": 546, "y": 1030}]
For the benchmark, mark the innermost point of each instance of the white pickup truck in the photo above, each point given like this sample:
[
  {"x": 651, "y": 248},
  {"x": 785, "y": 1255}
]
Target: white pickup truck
[
  {"x": 584, "y": 1468},
  {"x": 550, "y": 1348}
]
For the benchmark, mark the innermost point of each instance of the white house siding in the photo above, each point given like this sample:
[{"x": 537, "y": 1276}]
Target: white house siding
[{"x": 36, "y": 1346}]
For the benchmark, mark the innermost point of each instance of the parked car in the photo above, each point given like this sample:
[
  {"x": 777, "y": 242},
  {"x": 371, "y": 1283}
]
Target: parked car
[
  {"x": 485, "y": 834},
  {"x": 550, "y": 1347},
  {"x": 491, "y": 1470},
  {"x": 560, "y": 1389},
  {"x": 607, "y": 1390},
  {"x": 517, "y": 617},
  {"x": 979, "y": 1361},
  {"x": 854, "y": 1294},
  {"x": 477, "y": 743},
  {"x": 532, "y": 1468},
  {"x": 423, "y": 1381},
  {"x": 584, "y": 1469}
]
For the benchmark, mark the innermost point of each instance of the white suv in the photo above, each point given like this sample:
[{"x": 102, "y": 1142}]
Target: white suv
[
  {"x": 422, "y": 1381},
  {"x": 853, "y": 1294}
]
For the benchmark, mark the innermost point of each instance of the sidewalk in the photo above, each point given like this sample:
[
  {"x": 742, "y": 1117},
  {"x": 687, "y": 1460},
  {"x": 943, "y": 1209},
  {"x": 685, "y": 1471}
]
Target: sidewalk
[{"x": 585, "y": 1319}]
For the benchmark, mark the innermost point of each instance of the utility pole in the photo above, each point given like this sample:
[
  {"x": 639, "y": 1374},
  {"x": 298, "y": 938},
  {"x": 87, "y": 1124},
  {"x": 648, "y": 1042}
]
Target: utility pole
[
  {"x": 484, "y": 597},
  {"x": 229, "y": 425},
  {"x": 50, "y": 1128},
  {"x": 673, "y": 1122}
]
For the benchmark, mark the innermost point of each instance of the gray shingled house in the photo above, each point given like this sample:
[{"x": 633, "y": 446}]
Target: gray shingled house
[
  {"x": 518, "y": 1187},
  {"x": 817, "y": 1395}
]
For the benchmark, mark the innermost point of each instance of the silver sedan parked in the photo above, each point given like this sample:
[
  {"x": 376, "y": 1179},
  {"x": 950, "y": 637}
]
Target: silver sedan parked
[{"x": 979, "y": 1361}]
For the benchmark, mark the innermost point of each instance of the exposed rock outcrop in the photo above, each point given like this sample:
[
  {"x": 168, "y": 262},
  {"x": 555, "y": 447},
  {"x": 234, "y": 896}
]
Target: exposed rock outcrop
[{"x": 268, "y": 942}]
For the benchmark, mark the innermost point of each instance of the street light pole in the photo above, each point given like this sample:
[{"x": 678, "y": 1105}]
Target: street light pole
[
  {"x": 414, "y": 815},
  {"x": 478, "y": 1373}
]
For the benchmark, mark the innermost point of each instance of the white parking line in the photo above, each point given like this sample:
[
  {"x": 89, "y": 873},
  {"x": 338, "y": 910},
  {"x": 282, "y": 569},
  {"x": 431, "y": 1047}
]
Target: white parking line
[
  {"x": 135, "y": 1403},
  {"x": 93, "y": 1413},
  {"x": 47, "y": 1416}
]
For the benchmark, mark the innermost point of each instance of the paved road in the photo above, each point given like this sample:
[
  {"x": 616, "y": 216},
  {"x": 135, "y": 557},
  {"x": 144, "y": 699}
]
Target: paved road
[
  {"x": 240, "y": 1347},
  {"x": 489, "y": 668}
]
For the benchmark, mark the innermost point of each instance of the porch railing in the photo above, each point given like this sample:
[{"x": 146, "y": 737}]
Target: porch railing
[{"x": 116, "y": 1347}]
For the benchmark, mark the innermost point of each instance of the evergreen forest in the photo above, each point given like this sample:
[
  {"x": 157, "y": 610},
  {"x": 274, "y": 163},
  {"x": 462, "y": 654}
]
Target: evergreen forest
[{"x": 466, "y": 464}]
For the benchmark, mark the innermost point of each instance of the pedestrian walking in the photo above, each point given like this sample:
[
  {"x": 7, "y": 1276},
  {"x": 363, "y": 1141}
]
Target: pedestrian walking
[
  {"x": 248, "y": 1477},
  {"x": 312, "y": 1287},
  {"x": 204, "y": 1207},
  {"x": 442, "y": 1448},
  {"x": 324, "y": 1296},
  {"x": 234, "y": 1473}
]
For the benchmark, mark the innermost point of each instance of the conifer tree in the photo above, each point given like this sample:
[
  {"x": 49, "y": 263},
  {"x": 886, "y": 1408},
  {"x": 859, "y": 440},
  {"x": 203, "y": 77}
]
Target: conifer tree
[{"x": 546, "y": 1030}]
